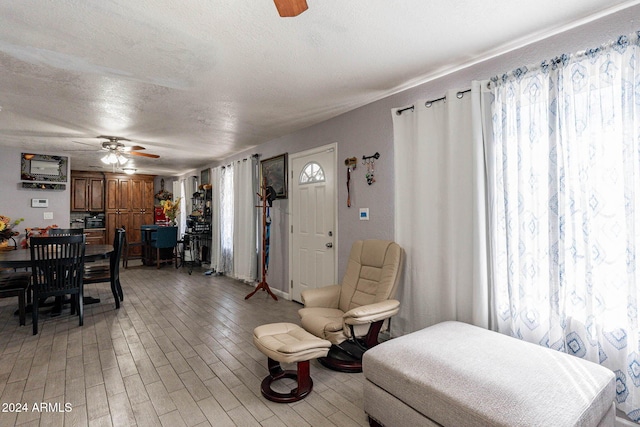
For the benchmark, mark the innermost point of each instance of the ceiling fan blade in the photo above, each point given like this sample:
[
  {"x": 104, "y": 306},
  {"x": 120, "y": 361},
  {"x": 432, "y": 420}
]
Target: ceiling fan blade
[
  {"x": 290, "y": 8},
  {"x": 84, "y": 143},
  {"x": 134, "y": 148},
  {"x": 135, "y": 153},
  {"x": 112, "y": 138}
]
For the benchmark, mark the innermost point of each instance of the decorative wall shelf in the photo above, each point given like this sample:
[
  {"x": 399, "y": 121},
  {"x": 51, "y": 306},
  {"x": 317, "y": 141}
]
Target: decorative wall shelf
[{"x": 43, "y": 186}]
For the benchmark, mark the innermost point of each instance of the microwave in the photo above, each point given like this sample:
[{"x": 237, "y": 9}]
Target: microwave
[{"x": 96, "y": 221}]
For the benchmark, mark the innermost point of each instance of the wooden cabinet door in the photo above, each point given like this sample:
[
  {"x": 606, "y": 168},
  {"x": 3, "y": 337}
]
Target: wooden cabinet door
[
  {"x": 142, "y": 194},
  {"x": 79, "y": 194},
  {"x": 115, "y": 219},
  {"x": 118, "y": 193},
  {"x": 96, "y": 195}
]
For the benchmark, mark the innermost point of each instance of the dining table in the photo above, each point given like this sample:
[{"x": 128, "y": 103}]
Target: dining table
[{"x": 21, "y": 258}]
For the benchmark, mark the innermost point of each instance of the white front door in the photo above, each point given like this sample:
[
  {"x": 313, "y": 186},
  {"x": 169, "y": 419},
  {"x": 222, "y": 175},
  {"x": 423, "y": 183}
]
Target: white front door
[{"x": 313, "y": 219}]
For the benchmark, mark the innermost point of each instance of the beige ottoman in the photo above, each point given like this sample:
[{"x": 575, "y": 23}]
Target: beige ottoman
[
  {"x": 454, "y": 374},
  {"x": 288, "y": 343}
]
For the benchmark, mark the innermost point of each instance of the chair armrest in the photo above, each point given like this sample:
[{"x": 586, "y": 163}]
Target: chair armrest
[
  {"x": 327, "y": 296},
  {"x": 371, "y": 312}
]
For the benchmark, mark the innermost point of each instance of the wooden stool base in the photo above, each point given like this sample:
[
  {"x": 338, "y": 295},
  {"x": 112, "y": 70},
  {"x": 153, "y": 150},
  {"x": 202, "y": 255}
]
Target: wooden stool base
[{"x": 302, "y": 377}]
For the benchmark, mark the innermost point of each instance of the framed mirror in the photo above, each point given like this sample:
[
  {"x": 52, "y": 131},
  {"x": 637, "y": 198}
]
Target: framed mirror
[{"x": 41, "y": 167}]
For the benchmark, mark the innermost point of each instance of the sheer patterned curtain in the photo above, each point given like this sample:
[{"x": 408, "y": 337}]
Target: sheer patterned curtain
[
  {"x": 440, "y": 212},
  {"x": 564, "y": 175}
]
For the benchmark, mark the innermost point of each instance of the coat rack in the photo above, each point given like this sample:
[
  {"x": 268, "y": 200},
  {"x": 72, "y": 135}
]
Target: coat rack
[{"x": 265, "y": 198}]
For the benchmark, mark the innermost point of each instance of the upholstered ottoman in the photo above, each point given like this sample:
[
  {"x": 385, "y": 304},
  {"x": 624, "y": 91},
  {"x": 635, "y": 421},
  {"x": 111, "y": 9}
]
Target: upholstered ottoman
[
  {"x": 288, "y": 343},
  {"x": 454, "y": 374}
]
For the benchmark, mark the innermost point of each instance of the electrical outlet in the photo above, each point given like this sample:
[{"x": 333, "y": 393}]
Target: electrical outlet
[
  {"x": 48, "y": 215},
  {"x": 364, "y": 214}
]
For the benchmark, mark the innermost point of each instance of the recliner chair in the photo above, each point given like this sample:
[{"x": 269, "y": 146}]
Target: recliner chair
[{"x": 352, "y": 314}]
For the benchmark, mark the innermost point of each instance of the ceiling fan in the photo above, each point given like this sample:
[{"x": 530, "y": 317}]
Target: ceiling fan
[
  {"x": 117, "y": 151},
  {"x": 290, "y": 8}
]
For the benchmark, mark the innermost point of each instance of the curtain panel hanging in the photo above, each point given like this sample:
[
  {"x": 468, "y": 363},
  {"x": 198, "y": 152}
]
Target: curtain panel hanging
[
  {"x": 564, "y": 197},
  {"x": 216, "y": 195},
  {"x": 234, "y": 241},
  {"x": 245, "y": 265},
  {"x": 440, "y": 213}
]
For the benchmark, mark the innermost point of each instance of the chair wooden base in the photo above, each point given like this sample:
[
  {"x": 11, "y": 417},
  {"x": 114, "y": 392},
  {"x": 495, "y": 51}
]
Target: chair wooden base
[
  {"x": 338, "y": 360},
  {"x": 305, "y": 383},
  {"x": 347, "y": 356}
]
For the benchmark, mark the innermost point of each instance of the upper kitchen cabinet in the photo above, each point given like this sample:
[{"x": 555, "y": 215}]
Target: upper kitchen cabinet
[{"x": 87, "y": 192}]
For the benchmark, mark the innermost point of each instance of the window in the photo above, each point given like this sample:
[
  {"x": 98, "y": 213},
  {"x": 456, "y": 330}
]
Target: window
[{"x": 312, "y": 172}]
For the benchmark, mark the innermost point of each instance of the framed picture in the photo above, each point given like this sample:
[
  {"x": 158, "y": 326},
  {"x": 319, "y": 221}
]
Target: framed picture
[
  {"x": 274, "y": 171},
  {"x": 42, "y": 167},
  {"x": 204, "y": 176}
]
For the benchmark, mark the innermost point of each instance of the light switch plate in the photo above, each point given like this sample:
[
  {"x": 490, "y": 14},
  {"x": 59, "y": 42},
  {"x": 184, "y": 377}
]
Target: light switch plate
[
  {"x": 364, "y": 214},
  {"x": 48, "y": 215}
]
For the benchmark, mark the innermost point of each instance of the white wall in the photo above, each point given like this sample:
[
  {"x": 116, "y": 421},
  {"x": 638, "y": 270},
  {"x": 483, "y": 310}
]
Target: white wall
[
  {"x": 369, "y": 129},
  {"x": 15, "y": 201}
]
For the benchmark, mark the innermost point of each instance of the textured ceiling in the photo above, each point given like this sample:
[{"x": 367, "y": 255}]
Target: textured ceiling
[{"x": 198, "y": 81}]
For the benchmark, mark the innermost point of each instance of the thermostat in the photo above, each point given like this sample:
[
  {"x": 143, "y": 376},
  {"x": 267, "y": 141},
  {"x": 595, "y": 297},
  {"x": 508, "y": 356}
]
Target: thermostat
[{"x": 39, "y": 203}]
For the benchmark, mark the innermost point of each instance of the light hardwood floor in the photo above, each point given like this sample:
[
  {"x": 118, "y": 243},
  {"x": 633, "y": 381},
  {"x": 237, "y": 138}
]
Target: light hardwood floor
[{"x": 179, "y": 352}]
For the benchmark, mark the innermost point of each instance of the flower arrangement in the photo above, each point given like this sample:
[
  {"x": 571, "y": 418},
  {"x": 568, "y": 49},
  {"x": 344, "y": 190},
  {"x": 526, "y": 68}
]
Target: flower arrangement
[
  {"x": 171, "y": 209},
  {"x": 6, "y": 229}
]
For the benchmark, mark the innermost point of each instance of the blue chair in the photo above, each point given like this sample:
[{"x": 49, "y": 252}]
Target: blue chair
[{"x": 164, "y": 241}]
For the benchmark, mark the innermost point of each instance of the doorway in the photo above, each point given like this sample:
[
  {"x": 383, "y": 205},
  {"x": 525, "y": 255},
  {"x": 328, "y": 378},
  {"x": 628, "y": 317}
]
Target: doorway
[{"x": 313, "y": 250}]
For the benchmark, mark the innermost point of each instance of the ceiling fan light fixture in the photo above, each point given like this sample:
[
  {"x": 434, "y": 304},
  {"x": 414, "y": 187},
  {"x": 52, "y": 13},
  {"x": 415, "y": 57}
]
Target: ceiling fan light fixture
[
  {"x": 129, "y": 171},
  {"x": 114, "y": 158}
]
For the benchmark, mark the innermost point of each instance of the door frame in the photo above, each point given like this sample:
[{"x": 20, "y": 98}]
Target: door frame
[{"x": 333, "y": 147}]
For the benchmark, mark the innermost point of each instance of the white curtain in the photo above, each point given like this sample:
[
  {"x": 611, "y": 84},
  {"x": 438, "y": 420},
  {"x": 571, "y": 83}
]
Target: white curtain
[
  {"x": 565, "y": 208},
  {"x": 440, "y": 212},
  {"x": 225, "y": 264},
  {"x": 178, "y": 193},
  {"x": 245, "y": 265},
  {"x": 234, "y": 249},
  {"x": 216, "y": 253}
]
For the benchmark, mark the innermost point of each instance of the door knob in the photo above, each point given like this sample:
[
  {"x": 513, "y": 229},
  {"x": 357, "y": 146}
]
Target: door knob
[{"x": 329, "y": 245}]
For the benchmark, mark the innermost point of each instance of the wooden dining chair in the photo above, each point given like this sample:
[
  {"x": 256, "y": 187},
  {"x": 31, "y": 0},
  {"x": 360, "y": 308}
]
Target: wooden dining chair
[
  {"x": 66, "y": 231},
  {"x": 57, "y": 267},
  {"x": 16, "y": 284},
  {"x": 100, "y": 273},
  {"x": 129, "y": 246}
]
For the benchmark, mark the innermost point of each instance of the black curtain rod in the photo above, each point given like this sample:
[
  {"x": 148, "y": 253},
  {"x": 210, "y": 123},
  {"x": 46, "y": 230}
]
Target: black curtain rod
[
  {"x": 400, "y": 111},
  {"x": 427, "y": 104}
]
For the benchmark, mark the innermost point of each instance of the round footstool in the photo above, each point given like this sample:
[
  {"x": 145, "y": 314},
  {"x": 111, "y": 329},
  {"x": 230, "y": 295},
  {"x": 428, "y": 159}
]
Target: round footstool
[{"x": 288, "y": 343}]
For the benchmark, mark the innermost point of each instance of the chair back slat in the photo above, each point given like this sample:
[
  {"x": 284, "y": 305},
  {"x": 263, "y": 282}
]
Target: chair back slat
[{"x": 66, "y": 231}]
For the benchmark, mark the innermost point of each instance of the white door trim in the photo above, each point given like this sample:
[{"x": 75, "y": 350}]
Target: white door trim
[{"x": 329, "y": 147}]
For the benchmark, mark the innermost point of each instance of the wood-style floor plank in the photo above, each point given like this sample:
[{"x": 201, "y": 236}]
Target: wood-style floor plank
[{"x": 179, "y": 351}]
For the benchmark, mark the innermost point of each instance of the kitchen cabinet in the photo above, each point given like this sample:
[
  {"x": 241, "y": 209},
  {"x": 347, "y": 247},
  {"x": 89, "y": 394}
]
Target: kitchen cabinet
[
  {"x": 87, "y": 192},
  {"x": 129, "y": 203},
  {"x": 95, "y": 236}
]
